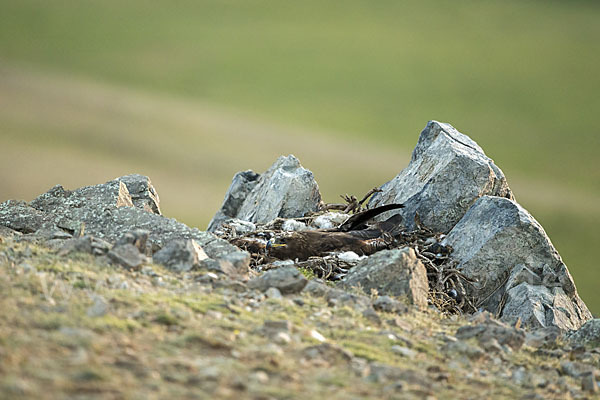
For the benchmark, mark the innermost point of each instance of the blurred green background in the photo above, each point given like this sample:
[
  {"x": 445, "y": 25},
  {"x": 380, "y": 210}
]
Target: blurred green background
[{"x": 189, "y": 92}]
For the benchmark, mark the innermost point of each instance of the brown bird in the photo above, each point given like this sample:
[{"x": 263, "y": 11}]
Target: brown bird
[{"x": 356, "y": 234}]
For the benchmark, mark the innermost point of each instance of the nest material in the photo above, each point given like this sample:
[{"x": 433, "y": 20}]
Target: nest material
[{"x": 447, "y": 285}]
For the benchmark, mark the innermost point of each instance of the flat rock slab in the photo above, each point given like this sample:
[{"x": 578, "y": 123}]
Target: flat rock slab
[
  {"x": 519, "y": 272},
  {"x": 396, "y": 272},
  {"x": 285, "y": 190},
  {"x": 447, "y": 172}
]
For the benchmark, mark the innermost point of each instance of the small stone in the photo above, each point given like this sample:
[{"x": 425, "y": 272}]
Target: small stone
[
  {"x": 99, "y": 308},
  {"x": 282, "y": 338},
  {"x": 291, "y": 225},
  {"x": 273, "y": 293},
  {"x": 260, "y": 377},
  {"x": 404, "y": 351},
  {"x": 317, "y": 336},
  {"x": 277, "y": 326},
  {"x": 349, "y": 257},
  {"x": 287, "y": 279},
  {"x": 127, "y": 255},
  {"x": 390, "y": 305},
  {"x": 588, "y": 383},
  {"x": 180, "y": 255},
  {"x": 371, "y": 315},
  {"x": 330, "y": 220}
]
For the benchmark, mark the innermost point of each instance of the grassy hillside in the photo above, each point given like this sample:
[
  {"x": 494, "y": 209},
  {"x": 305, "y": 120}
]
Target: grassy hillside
[
  {"x": 76, "y": 327},
  {"x": 190, "y": 92}
]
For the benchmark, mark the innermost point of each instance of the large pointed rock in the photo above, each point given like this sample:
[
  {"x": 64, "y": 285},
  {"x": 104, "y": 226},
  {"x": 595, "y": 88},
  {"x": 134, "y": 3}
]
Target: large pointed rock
[
  {"x": 285, "y": 190},
  {"x": 519, "y": 272},
  {"x": 447, "y": 173}
]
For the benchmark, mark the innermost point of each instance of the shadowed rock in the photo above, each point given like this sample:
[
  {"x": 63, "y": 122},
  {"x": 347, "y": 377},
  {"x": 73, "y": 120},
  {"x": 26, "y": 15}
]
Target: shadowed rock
[{"x": 520, "y": 273}]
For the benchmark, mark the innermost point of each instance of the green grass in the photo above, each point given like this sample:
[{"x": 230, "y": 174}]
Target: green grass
[{"x": 193, "y": 91}]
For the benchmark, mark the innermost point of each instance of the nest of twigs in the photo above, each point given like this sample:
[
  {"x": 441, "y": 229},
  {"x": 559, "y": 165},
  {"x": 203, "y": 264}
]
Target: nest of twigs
[{"x": 447, "y": 285}]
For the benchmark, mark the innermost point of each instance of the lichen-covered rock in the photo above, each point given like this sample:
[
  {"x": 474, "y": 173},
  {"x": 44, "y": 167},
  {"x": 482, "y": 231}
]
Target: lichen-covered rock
[
  {"x": 589, "y": 333},
  {"x": 519, "y": 272},
  {"x": 395, "y": 272},
  {"x": 107, "y": 211},
  {"x": 448, "y": 171},
  {"x": 285, "y": 190}
]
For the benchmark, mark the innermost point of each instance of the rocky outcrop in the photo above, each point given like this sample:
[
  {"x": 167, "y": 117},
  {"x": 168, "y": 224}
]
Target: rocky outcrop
[
  {"x": 447, "y": 173},
  {"x": 396, "y": 272},
  {"x": 107, "y": 211},
  {"x": 519, "y": 272},
  {"x": 285, "y": 190}
]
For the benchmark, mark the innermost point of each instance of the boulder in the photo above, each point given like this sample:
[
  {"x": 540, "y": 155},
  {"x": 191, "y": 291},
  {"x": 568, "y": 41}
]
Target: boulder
[
  {"x": 285, "y": 190},
  {"x": 396, "y": 272},
  {"x": 447, "y": 173},
  {"x": 519, "y": 272}
]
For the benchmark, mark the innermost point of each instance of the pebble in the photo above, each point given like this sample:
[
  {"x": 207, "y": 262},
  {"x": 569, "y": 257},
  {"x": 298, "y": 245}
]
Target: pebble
[
  {"x": 588, "y": 383},
  {"x": 273, "y": 293},
  {"x": 98, "y": 308},
  {"x": 404, "y": 351}
]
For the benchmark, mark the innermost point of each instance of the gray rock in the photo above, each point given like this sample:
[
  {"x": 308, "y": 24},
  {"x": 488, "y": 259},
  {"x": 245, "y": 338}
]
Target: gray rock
[
  {"x": 341, "y": 298},
  {"x": 143, "y": 195},
  {"x": 499, "y": 244},
  {"x": 396, "y": 272},
  {"x": 576, "y": 369},
  {"x": 491, "y": 329},
  {"x": 327, "y": 352},
  {"x": 7, "y": 232},
  {"x": 285, "y": 190},
  {"x": 403, "y": 351},
  {"x": 18, "y": 216},
  {"x": 180, "y": 255},
  {"x": 241, "y": 186},
  {"x": 316, "y": 288},
  {"x": 589, "y": 333},
  {"x": 98, "y": 308},
  {"x": 127, "y": 255},
  {"x": 448, "y": 171},
  {"x": 138, "y": 238},
  {"x": 78, "y": 245},
  {"x": 107, "y": 211},
  {"x": 390, "y": 305},
  {"x": 287, "y": 279},
  {"x": 589, "y": 384}
]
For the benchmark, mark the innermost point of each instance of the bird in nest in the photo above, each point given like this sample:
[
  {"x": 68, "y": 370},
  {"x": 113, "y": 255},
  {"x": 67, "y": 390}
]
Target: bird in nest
[{"x": 357, "y": 234}]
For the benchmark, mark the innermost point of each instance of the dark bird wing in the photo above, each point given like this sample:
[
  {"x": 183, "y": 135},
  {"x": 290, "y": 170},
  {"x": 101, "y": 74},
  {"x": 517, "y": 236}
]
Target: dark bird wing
[{"x": 356, "y": 221}]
